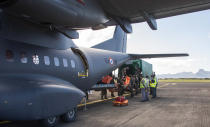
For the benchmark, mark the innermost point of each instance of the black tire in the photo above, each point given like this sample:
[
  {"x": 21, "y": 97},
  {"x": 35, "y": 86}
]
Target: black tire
[
  {"x": 70, "y": 116},
  {"x": 50, "y": 122}
]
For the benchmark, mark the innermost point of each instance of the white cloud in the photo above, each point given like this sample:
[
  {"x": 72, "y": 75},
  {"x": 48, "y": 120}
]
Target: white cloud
[
  {"x": 209, "y": 35},
  {"x": 90, "y": 38},
  {"x": 176, "y": 65},
  {"x": 169, "y": 65}
]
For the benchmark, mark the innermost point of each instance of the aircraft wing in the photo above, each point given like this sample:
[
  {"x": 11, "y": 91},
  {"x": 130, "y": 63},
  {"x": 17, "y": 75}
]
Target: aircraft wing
[
  {"x": 132, "y": 10},
  {"x": 142, "y": 56}
]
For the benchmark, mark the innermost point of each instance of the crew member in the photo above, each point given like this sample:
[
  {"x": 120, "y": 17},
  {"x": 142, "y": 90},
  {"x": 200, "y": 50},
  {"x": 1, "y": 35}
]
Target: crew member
[
  {"x": 127, "y": 80},
  {"x": 112, "y": 89},
  {"x": 137, "y": 83},
  {"x": 144, "y": 85},
  {"x": 133, "y": 83},
  {"x": 140, "y": 79},
  {"x": 153, "y": 85},
  {"x": 127, "y": 85},
  {"x": 121, "y": 86},
  {"x": 106, "y": 80}
]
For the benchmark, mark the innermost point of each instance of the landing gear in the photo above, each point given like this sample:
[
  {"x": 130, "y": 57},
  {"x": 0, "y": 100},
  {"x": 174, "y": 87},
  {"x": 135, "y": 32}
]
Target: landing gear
[
  {"x": 50, "y": 122},
  {"x": 70, "y": 116},
  {"x": 67, "y": 117}
]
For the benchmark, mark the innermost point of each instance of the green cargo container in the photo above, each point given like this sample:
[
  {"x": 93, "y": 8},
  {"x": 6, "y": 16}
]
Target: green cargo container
[{"x": 134, "y": 65}]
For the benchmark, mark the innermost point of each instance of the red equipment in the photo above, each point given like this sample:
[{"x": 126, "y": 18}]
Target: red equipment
[{"x": 120, "y": 101}]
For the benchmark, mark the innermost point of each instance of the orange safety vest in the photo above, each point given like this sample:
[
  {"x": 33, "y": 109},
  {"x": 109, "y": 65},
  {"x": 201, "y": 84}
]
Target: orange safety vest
[
  {"x": 107, "y": 79},
  {"x": 127, "y": 80}
]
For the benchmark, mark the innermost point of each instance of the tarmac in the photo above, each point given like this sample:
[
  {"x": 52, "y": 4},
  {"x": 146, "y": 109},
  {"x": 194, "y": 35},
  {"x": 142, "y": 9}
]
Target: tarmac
[{"x": 177, "y": 105}]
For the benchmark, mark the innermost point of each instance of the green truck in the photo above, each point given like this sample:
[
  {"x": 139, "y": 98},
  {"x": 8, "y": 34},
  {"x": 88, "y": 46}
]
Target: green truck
[{"x": 134, "y": 67}]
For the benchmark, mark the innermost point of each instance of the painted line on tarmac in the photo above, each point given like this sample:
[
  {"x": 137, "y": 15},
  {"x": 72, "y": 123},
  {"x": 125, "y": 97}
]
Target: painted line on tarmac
[
  {"x": 164, "y": 85},
  {"x": 167, "y": 84},
  {"x": 98, "y": 101},
  {"x": 173, "y": 84}
]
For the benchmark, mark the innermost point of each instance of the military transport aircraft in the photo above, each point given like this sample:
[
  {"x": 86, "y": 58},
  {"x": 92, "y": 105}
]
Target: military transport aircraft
[{"x": 43, "y": 73}]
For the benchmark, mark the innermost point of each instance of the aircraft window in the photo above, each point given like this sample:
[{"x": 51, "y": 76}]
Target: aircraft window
[
  {"x": 56, "y": 60},
  {"x": 47, "y": 60},
  {"x": 73, "y": 65},
  {"x": 35, "y": 59},
  {"x": 65, "y": 63},
  {"x": 9, "y": 56},
  {"x": 23, "y": 58}
]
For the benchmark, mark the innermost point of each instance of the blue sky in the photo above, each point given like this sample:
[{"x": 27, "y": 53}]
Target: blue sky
[{"x": 189, "y": 33}]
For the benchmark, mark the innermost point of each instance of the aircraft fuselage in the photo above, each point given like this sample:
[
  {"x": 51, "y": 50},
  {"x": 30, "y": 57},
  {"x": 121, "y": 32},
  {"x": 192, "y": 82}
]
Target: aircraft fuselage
[
  {"x": 63, "y": 64},
  {"x": 38, "y": 82}
]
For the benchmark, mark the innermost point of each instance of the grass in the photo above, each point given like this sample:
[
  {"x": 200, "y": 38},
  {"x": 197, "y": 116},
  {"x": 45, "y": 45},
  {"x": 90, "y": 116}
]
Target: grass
[{"x": 184, "y": 80}]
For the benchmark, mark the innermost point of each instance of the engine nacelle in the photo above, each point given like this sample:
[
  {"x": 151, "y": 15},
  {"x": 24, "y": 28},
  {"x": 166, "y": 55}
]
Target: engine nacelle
[{"x": 62, "y": 13}]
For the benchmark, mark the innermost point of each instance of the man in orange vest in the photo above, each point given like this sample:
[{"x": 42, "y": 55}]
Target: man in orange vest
[
  {"x": 106, "y": 80},
  {"x": 127, "y": 85}
]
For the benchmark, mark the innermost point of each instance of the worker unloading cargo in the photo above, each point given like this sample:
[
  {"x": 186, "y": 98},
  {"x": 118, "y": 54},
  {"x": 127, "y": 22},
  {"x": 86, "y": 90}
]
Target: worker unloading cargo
[
  {"x": 127, "y": 85},
  {"x": 153, "y": 85},
  {"x": 107, "y": 80},
  {"x": 112, "y": 90},
  {"x": 127, "y": 80},
  {"x": 144, "y": 85},
  {"x": 120, "y": 82},
  {"x": 140, "y": 79},
  {"x": 134, "y": 83}
]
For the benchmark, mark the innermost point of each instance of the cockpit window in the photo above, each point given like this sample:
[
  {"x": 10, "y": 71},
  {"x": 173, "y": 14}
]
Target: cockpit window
[
  {"x": 23, "y": 57},
  {"x": 35, "y": 58},
  {"x": 9, "y": 56}
]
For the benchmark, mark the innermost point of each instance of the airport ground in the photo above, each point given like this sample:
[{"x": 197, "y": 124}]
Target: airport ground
[{"x": 179, "y": 104}]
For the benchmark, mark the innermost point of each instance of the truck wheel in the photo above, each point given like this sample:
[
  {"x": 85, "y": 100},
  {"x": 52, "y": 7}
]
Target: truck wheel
[
  {"x": 50, "y": 122},
  {"x": 70, "y": 116}
]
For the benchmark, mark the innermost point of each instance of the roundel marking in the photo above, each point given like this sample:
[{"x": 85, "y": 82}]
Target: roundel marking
[{"x": 111, "y": 61}]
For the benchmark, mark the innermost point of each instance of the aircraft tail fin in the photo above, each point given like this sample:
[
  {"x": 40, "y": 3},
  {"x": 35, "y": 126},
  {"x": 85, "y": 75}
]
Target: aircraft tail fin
[{"x": 118, "y": 43}]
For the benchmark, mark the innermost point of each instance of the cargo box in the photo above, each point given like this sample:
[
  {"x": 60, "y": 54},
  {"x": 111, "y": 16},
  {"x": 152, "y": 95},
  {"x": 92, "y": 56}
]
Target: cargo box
[{"x": 136, "y": 65}]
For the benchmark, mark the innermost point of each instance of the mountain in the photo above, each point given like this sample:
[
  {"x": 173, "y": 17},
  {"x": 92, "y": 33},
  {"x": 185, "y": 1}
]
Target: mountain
[{"x": 200, "y": 74}]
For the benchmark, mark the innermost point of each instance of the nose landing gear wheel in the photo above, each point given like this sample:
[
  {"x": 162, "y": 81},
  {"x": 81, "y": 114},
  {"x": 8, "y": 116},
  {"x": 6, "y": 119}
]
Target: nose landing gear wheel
[
  {"x": 50, "y": 122},
  {"x": 69, "y": 116}
]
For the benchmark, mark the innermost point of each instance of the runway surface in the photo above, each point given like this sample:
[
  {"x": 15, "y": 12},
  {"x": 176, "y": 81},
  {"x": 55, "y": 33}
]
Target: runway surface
[{"x": 177, "y": 105}]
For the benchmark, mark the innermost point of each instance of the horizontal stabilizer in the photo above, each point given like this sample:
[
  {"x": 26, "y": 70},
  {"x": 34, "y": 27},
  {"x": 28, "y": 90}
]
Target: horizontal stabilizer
[{"x": 142, "y": 56}]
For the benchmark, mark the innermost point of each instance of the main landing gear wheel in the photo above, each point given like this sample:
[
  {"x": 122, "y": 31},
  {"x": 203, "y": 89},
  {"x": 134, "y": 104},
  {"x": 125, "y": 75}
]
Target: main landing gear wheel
[
  {"x": 50, "y": 122},
  {"x": 70, "y": 116}
]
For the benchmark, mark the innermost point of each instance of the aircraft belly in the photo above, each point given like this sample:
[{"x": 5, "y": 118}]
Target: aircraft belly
[{"x": 28, "y": 99}]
